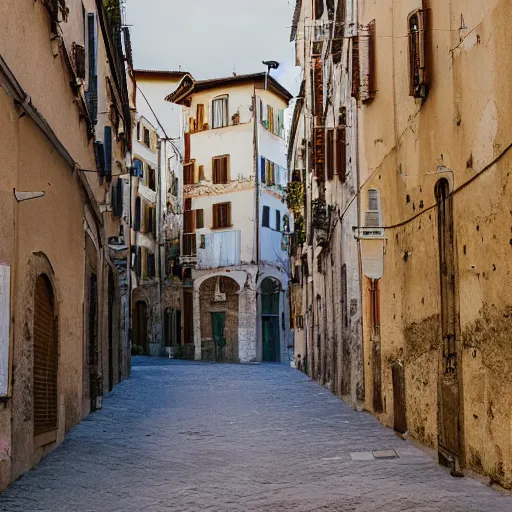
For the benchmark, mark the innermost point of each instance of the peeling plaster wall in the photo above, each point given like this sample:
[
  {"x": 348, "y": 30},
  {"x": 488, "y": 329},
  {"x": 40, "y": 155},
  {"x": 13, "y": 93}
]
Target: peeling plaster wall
[{"x": 406, "y": 146}]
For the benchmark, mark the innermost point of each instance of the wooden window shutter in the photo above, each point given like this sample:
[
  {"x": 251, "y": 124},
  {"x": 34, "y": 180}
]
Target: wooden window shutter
[
  {"x": 367, "y": 62},
  {"x": 263, "y": 167},
  {"x": 92, "y": 87},
  {"x": 278, "y": 220},
  {"x": 188, "y": 204},
  {"x": 79, "y": 58},
  {"x": 199, "y": 219},
  {"x": 318, "y": 88},
  {"x": 319, "y": 152},
  {"x": 341, "y": 156},
  {"x": 417, "y": 30},
  {"x": 187, "y": 147},
  {"x": 189, "y": 174},
  {"x": 46, "y": 358},
  {"x": 200, "y": 117},
  {"x": 225, "y": 169},
  {"x": 329, "y": 157},
  {"x": 356, "y": 72},
  {"x": 201, "y": 172},
  {"x": 107, "y": 134}
]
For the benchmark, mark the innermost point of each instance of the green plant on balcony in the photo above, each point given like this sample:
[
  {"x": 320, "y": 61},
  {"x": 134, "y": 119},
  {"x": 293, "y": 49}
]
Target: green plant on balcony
[{"x": 295, "y": 197}]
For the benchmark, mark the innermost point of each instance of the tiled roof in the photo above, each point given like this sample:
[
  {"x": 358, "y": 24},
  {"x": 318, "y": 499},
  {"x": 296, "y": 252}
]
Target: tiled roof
[{"x": 200, "y": 85}]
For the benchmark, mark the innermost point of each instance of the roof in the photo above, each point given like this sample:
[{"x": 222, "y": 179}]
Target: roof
[
  {"x": 190, "y": 86},
  {"x": 295, "y": 22},
  {"x": 160, "y": 72}
]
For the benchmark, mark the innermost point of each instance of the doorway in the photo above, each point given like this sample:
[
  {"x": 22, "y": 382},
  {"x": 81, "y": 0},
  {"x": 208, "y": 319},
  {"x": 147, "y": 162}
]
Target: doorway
[
  {"x": 449, "y": 373},
  {"x": 140, "y": 326},
  {"x": 270, "y": 297},
  {"x": 46, "y": 358}
]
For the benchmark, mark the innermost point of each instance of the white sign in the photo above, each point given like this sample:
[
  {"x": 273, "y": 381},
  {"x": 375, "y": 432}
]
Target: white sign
[{"x": 5, "y": 307}]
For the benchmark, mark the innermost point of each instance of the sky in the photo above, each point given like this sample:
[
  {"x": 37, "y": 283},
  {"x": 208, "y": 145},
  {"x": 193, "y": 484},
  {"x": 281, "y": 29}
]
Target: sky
[{"x": 214, "y": 38}]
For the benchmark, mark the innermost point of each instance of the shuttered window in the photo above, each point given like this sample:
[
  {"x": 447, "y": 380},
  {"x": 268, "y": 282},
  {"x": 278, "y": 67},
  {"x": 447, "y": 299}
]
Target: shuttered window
[
  {"x": 46, "y": 358},
  {"x": 187, "y": 147},
  {"x": 151, "y": 178},
  {"x": 199, "y": 219},
  {"x": 189, "y": 174},
  {"x": 147, "y": 137},
  {"x": 221, "y": 215},
  {"x": 417, "y": 54},
  {"x": 92, "y": 87},
  {"x": 189, "y": 244},
  {"x": 200, "y": 117},
  {"x": 356, "y": 71},
  {"x": 201, "y": 172},
  {"x": 341, "y": 157},
  {"x": 367, "y": 62},
  {"x": 117, "y": 198},
  {"x": 220, "y": 166},
  {"x": 329, "y": 155},
  {"x": 265, "y": 221},
  {"x": 278, "y": 220},
  {"x": 107, "y": 135},
  {"x": 150, "y": 265},
  {"x": 137, "y": 220},
  {"x": 188, "y": 221}
]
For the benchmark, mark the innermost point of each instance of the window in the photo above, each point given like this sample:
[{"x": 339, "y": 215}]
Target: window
[
  {"x": 149, "y": 220},
  {"x": 147, "y": 137},
  {"x": 418, "y": 86},
  {"x": 373, "y": 211},
  {"x": 220, "y": 166},
  {"x": 187, "y": 147},
  {"x": 221, "y": 215},
  {"x": 220, "y": 112},
  {"x": 278, "y": 220},
  {"x": 138, "y": 130},
  {"x": 319, "y": 9},
  {"x": 200, "y": 118},
  {"x": 189, "y": 221},
  {"x": 138, "y": 168},
  {"x": 150, "y": 265},
  {"x": 329, "y": 155},
  {"x": 117, "y": 198},
  {"x": 200, "y": 219},
  {"x": 136, "y": 222},
  {"x": 201, "y": 172},
  {"x": 151, "y": 179},
  {"x": 189, "y": 174},
  {"x": 92, "y": 88},
  {"x": 367, "y": 62},
  {"x": 266, "y": 217},
  {"x": 107, "y": 145},
  {"x": 341, "y": 157},
  {"x": 189, "y": 244}
]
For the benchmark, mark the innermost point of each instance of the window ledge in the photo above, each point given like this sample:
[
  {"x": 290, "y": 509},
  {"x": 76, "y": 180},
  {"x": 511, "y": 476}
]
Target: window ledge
[{"x": 222, "y": 227}]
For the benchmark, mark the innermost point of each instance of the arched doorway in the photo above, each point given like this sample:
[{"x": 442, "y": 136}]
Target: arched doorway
[
  {"x": 270, "y": 310},
  {"x": 140, "y": 326},
  {"x": 219, "y": 319},
  {"x": 46, "y": 358}
]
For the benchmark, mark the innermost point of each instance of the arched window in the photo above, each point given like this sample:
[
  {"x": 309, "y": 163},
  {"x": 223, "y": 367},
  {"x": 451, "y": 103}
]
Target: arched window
[
  {"x": 46, "y": 358},
  {"x": 220, "y": 112}
]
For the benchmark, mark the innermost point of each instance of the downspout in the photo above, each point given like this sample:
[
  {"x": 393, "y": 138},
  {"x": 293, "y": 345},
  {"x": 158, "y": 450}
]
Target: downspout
[
  {"x": 257, "y": 178},
  {"x": 158, "y": 231}
]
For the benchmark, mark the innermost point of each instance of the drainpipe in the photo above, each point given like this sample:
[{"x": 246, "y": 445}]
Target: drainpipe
[
  {"x": 257, "y": 179},
  {"x": 158, "y": 231}
]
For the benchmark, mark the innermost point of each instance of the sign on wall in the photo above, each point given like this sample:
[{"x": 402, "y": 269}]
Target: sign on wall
[{"x": 5, "y": 299}]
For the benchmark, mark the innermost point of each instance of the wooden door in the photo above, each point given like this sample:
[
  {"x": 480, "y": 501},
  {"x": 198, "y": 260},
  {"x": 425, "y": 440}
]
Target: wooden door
[
  {"x": 141, "y": 326},
  {"x": 270, "y": 338},
  {"x": 449, "y": 373},
  {"x": 46, "y": 358},
  {"x": 400, "y": 418}
]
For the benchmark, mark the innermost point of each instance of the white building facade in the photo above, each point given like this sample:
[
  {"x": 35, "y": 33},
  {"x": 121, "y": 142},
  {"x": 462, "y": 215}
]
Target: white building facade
[{"x": 235, "y": 220}]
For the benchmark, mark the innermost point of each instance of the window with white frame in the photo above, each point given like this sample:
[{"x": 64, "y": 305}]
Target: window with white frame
[
  {"x": 373, "y": 213},
  {"x": 220, "y": 112}
]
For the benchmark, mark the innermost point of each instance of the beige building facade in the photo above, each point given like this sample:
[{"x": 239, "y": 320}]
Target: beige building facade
[
  {"x": 63, "y": 334},
  {"x": 426, "y": 90}
]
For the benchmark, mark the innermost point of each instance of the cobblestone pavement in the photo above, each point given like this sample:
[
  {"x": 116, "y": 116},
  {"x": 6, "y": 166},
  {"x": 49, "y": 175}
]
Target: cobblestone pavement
[{"x": 181, "y": 436}]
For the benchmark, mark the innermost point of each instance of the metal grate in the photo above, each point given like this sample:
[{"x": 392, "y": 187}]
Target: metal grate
[{"x": 46, "y": 358}]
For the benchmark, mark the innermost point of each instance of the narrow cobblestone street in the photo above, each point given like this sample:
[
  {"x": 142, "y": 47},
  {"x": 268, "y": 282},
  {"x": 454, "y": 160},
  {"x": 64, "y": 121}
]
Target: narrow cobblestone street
[{"x": 187, "y": 436}]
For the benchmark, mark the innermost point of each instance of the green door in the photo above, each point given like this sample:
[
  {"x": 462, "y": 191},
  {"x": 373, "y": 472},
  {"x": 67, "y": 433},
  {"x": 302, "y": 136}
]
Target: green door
[
  {"x": 270, "y": 338},
  {"x": 218, "y": 325}
]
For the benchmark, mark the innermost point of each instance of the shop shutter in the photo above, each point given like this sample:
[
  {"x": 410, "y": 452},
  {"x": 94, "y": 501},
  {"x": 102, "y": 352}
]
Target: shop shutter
[{"x": 46, "y": 355}]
